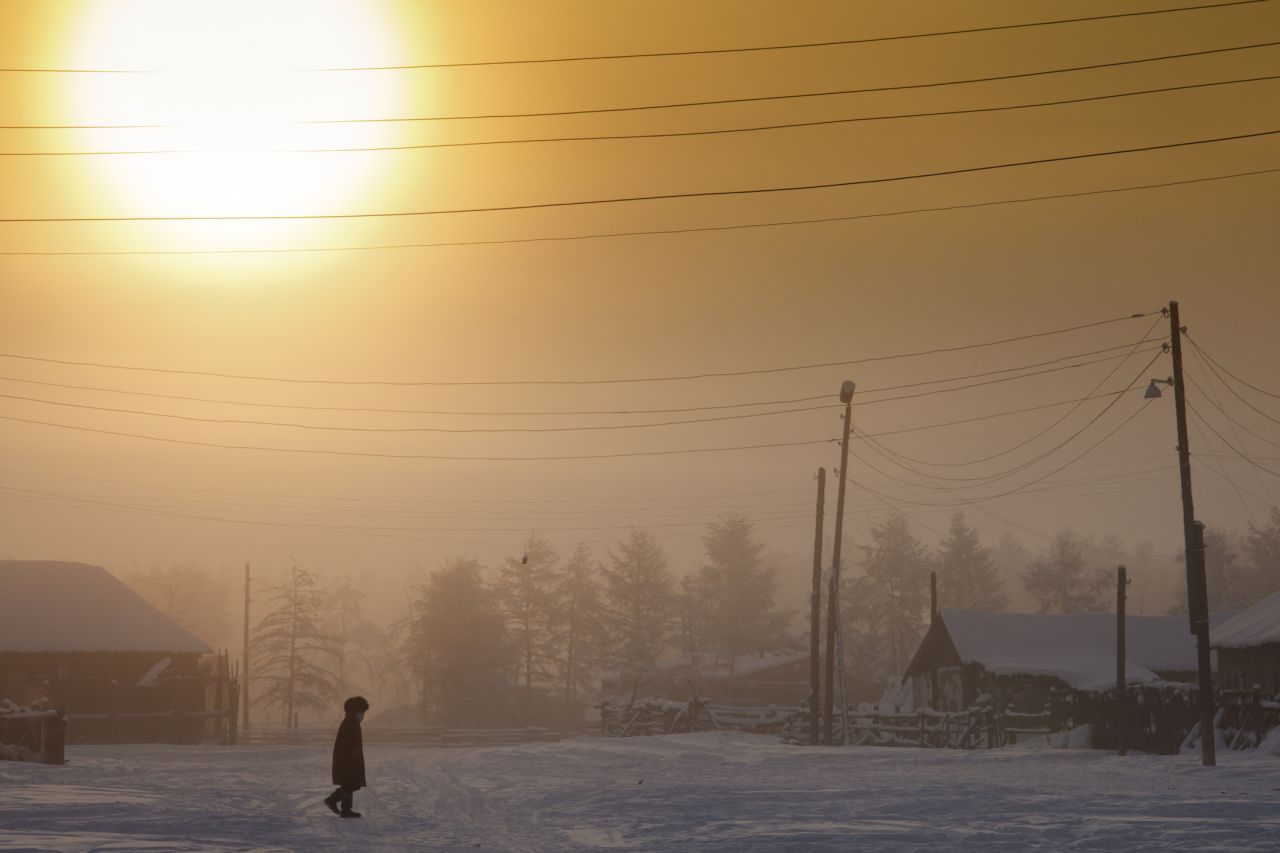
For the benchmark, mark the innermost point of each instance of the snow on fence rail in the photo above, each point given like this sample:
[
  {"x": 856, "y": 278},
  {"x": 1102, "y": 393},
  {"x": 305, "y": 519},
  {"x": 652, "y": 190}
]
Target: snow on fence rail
[
  {"x": 409, "y": 736},
  {"x": 33, "y": 736},
  {"x": 976, "y": 728},
  {"x": 658, "y": 716}
]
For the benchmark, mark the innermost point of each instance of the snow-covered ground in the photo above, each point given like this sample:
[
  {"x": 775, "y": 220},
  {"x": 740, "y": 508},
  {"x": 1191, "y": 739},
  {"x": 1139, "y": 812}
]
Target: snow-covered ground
[{"x": 705, "y": 792}]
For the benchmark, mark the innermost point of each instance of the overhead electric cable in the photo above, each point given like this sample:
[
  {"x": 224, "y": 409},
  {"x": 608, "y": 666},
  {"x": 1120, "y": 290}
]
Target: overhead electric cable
[
  {"x": 1237, "y": 451},
  {"x": 648, "y": 232},
  {"x": 449, "y": 430},
  {"x": 422, "y": 456},
  {"x": 696, "y": 52},
  {"x": 667, "y": 378},
  {"x": 1232, "y": 420},
  {"x": 750, "y": 191},
  {"x": 1200, "y": 350},
  {"x": 697, "y": 103},
  {"x": 1029, "y": 483},
  {"x": 1097, "y": 386},
  {"x": 536, "y": 413},
  {"x": 674, "y": 134}
]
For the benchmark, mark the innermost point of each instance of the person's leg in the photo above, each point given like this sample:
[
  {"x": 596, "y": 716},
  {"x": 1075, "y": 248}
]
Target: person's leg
[
  {"x": 332, "y": 800},
  {"x": 348, "y": 796}
]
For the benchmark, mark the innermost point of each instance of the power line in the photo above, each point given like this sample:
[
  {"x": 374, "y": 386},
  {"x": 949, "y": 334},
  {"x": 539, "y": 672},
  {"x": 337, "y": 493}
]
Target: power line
[
  {"x": 1220, "y": 366},
  {"x": 697, "y": 103},
  {"x": 648, "y": 232},
  {"x": 1240, "y": 453},
  {"x": 536, "y": 413},
  {"x": 546, "y": 205},
  {"x": 450, "y": 500},
  {"x": 679, "y": 53},
  {"x": 676, "y": 134},
  {"x": 1023, "y": 486},
  {"x": 447, "y": 430},
  {"x": 988, "y": 479},
  {"x": 669, "y": 378},
  {"x": 1051, "y": 426},
  {"x": 421, "y": 456}
]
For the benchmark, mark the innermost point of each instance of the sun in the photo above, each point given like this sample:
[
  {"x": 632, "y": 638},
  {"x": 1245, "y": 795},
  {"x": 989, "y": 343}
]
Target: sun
[{"x": 229, "y": 89}]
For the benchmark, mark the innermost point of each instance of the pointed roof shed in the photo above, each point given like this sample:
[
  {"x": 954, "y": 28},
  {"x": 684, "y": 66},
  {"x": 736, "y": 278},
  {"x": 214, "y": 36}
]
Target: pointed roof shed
[
  {"x": 48, "y": 606},
  {"x": 1253, "y": 626}
]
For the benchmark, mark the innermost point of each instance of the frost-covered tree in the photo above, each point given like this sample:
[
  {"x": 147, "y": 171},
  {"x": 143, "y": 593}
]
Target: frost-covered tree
[
  {"x": 191, "y": 595},
  {"x": 457, "y": 648},
  {"x": 638, "y": 594},
  {"x": 528, "y": 589},
  {"x": 1062, "y": 579},
  {"x": 292, "y": 651},
  {"x": 581, "y": 636},
  {"x": 1262, "y": 550},
  {"x": 893, "y": 595},
  {"x": 354, "y": 637},
  {"x": 967, "y": 576},
  {"x": 736, "y": 593}
]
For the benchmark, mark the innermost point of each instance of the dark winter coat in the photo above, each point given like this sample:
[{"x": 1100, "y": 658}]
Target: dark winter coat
[{"x": 348, "y": 755}]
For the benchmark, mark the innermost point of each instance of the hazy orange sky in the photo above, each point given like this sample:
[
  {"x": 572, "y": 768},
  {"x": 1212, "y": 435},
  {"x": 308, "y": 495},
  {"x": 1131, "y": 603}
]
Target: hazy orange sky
[{"x": 232, "y": 76}]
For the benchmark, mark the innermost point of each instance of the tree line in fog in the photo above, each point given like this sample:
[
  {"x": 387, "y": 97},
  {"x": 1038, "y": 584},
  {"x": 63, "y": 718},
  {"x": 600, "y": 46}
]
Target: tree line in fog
[{"x": 534, "y": 638}]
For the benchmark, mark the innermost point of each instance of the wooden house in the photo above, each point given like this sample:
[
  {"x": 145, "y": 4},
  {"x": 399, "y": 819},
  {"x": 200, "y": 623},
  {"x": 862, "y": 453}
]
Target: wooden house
[
  {"x": 1019, "y": 658},
  {"x": 75, "y": 638},
  {"x": 1248, "y": 647}
]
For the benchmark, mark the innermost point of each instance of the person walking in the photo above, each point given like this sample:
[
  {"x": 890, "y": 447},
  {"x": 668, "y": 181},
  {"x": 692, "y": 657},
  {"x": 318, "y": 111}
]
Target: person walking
[{"x": 348, "y": 758}]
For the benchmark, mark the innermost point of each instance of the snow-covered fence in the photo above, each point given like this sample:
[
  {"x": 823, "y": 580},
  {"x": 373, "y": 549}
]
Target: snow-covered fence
[
  {"x": 659, "y": 716},
  {"x": 33, "y": 736},
  {"x": 409, "y": 736},
  {"x": 1247, "y": 717},
  {"x": 976, "y": 728}
]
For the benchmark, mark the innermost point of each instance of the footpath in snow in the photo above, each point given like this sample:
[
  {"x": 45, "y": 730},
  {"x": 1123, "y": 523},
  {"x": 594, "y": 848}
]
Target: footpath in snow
[{"x": 704, "y": 792}]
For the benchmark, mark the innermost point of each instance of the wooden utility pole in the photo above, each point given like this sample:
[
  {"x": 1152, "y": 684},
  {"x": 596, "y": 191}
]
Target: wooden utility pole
[
  {"x": 815, "y": 612},
  {"x": 833, "y": 589},
  {"x": 244, "y": 667},
  {"x": 1122, "y": 689},
  {"x": 1193, "y": 533}
]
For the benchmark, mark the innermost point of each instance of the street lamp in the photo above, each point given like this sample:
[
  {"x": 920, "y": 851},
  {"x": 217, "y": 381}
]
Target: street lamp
[{"x": 1153, "y": 390}]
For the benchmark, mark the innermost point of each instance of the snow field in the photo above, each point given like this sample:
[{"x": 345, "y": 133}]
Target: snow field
[{"x": 705, "y": 792}]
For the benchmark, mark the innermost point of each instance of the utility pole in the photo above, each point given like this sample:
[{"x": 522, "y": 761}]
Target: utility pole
[
  {"x": 815, "y": 611},
  {"x": 244, "y": 668},
  {"x": 833, "y": 591},
  {"x": 1122, "y": 689},
  {"x": 1193, "y": 532}
]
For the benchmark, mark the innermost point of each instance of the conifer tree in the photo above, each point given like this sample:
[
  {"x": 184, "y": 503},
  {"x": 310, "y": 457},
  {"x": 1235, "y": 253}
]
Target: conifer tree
[
  {"x": 1062, "y": 581},
  {"x": 457, "y": 648},
  {"x": 895, "y": 590},
  {"x": 967, "y": 577},
  {"x": 528, "y": 588},
  {"x": 638, "y": 595},
  {"x": 292, "y": 651}
]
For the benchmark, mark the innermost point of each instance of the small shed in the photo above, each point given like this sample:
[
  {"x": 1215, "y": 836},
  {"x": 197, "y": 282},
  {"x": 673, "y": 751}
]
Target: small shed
[
  {"x": 1248, "y": 646},
  {"x": 1020, "y": 657},
  {"x": 75, "y": 638}
]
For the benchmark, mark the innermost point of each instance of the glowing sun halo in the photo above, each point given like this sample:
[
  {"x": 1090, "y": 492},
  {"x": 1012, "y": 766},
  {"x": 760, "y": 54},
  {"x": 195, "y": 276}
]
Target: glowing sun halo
[{"x": 227, "y": 80}]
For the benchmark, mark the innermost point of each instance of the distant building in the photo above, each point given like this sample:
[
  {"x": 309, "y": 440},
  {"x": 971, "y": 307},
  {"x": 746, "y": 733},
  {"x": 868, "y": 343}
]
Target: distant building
[
  {"x": 75, "y": 638},
  {"x": 1248, "y": 646},
  {"x": 1017, "y": 658}
]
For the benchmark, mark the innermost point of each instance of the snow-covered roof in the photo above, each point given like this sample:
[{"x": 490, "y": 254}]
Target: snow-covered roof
[
  {"x": 1252, "y": 626},
  {"x": 1079, "y": 648},
  {"x": 49, "y": 606}
]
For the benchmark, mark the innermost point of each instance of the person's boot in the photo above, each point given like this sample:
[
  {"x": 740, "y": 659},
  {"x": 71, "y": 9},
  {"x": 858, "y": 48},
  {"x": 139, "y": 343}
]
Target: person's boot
[
  {"x": 349, "y": 813},
  {"x": 332, "y": 802}
]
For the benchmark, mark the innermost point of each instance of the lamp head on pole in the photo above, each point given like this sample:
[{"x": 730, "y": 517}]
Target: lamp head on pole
[
  {"x": 1153, "y": 390},
  {"x": 846, "y": 391}
]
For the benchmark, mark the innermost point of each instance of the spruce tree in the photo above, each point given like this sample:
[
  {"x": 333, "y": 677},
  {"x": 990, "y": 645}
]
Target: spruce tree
[
  {"x": 528, "y": 589},
  {"x": 638, "y": 595},
  {"x": 967, "y": 577},
  {"x": 581, "y": 636},
  {"x": 1061, "y": 580}
]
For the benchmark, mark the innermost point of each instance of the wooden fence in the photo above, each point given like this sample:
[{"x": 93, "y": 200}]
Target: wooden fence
[
  {"x": 976, "y": 728},
  {"x": 654, "y": 716},
  {"x": 34, "y": 736},
  {"x": 433, "y": 736}
]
